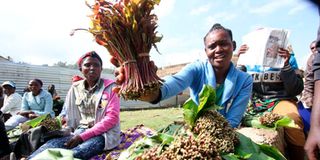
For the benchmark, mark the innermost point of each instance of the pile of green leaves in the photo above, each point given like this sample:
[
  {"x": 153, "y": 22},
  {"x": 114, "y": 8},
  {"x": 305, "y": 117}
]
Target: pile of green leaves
[
  {"x": 163, "y": 138},
  {"x": 253, "y": 121},
  {"x": 14, "y": 134},
  {"x": 37, "y": 121},
  {"x": 246, "y": 149},
  {"x": 127, "y": 29}
]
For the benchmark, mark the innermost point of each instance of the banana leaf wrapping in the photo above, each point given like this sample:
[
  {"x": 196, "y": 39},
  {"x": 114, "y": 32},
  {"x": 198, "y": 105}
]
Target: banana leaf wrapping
[{"x": 127, "y": 29}]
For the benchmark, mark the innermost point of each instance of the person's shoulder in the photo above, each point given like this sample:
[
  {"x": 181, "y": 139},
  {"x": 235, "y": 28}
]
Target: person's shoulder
[
  {"x": 243, "y": 75},
  {"x": 27, "y": 94},
  {"x": 77, "y": 83},
  {"x": 44, "y": 93},
  {"x": 108, "y": 82},
  {"x": 199, "y": 64},
  {"x": 16, "y": 95}
]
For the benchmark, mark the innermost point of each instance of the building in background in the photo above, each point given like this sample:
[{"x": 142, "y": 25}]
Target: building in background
[{"x": 61, "y": 77}]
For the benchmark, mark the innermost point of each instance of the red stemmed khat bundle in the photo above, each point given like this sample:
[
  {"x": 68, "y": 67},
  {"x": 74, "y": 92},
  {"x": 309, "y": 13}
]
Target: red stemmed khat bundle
[{"x": 127, "y": 29}]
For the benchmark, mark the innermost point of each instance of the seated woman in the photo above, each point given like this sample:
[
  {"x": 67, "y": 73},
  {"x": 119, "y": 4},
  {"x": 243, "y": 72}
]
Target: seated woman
[
  {"x": 5, "y": 148},
  {"x": 92, "y": 109},
  {"x": 275, "y": 90},
  {"x": 57, "y": 102},
  {"x": 34, "y": 103},
  {"x": 52, "y": 91}
]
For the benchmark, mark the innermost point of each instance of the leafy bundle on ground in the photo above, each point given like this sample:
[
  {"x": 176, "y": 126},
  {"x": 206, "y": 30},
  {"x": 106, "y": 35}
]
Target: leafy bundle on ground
[
  {"x": 127, "y": 29},
  {"x": 44, "y": 120},
  {"x": 204, "y": 134},
  {"x": 268, "y": 120},
  {"x": 51, "y": 124}
]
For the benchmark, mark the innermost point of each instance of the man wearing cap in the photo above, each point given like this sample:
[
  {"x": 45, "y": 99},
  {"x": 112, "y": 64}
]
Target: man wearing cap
[{"x": 12, "y": 100}]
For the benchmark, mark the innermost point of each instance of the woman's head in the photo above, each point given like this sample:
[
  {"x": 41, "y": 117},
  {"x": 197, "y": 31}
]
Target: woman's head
[
  {"x": 92, "y": 54},
  {"x": 90, "y": 64},
  {"x": 219, "y": 46},
  {"x": 313, "y": 46},
  {"x": 51, "y": 89},
  {"x": 35, "y": 86}
]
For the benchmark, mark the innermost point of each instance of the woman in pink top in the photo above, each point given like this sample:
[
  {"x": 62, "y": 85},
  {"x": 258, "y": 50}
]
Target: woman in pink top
[{"x": 92, "y": 111}]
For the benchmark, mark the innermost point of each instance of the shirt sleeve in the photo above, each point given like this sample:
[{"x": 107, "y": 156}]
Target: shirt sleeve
[
  {"x": 13, "y": 104},
  {"x": 10, "y": 103},
  {"x": 316, "y": 66},
  {"x": 292, "y": 82},
  {"x": 316, "y": 62},
  {"x": 177, "y": 83}
]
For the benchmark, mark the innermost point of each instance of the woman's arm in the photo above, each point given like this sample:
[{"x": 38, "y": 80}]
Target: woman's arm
[{"x": 178, "y": 82}]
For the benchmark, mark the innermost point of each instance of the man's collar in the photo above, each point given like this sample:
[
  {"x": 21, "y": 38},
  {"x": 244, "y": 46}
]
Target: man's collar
[{"x": 94, "y": 88}]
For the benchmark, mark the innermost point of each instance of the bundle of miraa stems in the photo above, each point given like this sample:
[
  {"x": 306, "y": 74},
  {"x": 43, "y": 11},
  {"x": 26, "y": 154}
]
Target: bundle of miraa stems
[{"x": 127, "y": 28}]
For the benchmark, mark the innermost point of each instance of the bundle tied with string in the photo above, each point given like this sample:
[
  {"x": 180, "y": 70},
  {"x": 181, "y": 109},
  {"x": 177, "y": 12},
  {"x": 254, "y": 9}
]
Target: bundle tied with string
[{"x": 127, "y": 29}]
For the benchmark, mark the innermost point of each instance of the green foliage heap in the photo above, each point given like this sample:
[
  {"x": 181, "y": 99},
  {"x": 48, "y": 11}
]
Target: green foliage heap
[{"x": 206, "y": 134}]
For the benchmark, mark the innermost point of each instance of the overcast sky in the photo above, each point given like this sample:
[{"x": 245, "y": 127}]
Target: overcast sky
[{"x": 37, "y": 31}]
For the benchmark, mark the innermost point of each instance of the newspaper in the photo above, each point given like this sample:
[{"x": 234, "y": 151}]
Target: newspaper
[{"x": 263, "y": 45}]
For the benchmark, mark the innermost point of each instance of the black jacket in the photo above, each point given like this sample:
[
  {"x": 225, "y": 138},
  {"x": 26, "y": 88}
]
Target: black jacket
[{"x": 282, "y": 84}]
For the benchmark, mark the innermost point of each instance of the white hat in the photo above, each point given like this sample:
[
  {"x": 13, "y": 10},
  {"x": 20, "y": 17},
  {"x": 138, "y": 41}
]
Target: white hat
[{"x": 10, "y": 83}]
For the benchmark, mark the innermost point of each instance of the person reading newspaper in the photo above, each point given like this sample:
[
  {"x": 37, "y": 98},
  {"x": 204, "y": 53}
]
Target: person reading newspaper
[{"x": 275, "y": 90}]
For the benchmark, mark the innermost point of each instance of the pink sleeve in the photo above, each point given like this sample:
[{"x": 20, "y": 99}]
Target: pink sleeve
[{"x": 111, "y": 118}]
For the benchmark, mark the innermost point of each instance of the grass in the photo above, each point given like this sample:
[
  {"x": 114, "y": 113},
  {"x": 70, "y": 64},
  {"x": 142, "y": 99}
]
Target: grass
[{"x": 152, "y": 118}]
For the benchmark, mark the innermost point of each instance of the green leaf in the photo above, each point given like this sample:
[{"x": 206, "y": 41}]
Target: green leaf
[
  {"x": 230, "y": 156},
  {"x": 59, "y": 120},
  {"x": 137, "y": 148},
  {"x": 285, "y": 122},
  {"x": 36, "y": 121},
  {"x": 203, "y": 97},
  {"x": 207, "y": 97},
  {"x": 213, "y": 107},
  {"x": 247, "y": 146},
  {"x": 190, "y": 111},
  {"x": 189, "y": 104},
  {"x": 163, "y": 138},
  {"x": 272, "y": 152},
  {"x": 257, "y": 124},
  {"x": 189, "y": 117},
  {"x": 206, "y": 102},
  {"x": 172, "y": 129}
]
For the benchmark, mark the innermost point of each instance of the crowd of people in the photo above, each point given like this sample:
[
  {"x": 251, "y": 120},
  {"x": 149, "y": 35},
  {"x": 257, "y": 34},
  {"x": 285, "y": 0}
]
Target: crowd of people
[{"x": 91, "y": 109}]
